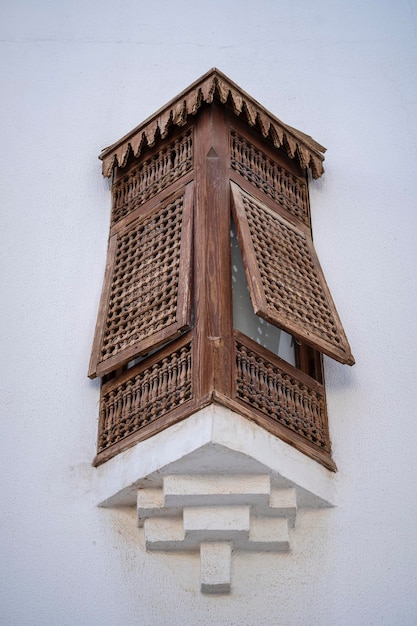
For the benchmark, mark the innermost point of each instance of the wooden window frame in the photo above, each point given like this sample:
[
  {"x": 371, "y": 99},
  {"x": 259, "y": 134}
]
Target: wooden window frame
[
  {"x": 275, "y": 309},
  {"x": 205, "y": 315},
  {"x": 100, "y": 366}
]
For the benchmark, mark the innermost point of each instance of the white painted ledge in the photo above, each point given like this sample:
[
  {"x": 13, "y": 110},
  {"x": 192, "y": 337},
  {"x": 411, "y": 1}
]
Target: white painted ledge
[{"x": 215, "y": 440}]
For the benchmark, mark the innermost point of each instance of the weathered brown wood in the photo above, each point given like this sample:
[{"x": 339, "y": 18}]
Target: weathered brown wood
[
  {"x": 102, "y": 312},
  {"x": 214, "y": 85},
  {"x": 277, "y": 186},
  {"x": 303, "y": 376},
  {"x": 149, "y": 206},
  {"x": 185, "y": 270},
  {"x": 279, "y": 431},
  {"x": 287, "y": 397},
  {"x": 285, "y": 278},
  {"x": 250, "y": 261},
  {"x": 310, "y": 361},
  {"x": 146, "y": 258},
  {"x": 213, "y": 312},
  {"x": 259, "y": 184},
  {"x": 166, "y": 167},
  {"x": 142, "y": 400},
  {"x": 164, "y": 340},
  {"x": 169, "y": 419},
  {"x": 264, "y": 144}
]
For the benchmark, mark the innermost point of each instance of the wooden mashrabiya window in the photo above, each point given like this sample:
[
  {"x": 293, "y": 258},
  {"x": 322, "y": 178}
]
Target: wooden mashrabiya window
[{"x": 210, "y": 163}]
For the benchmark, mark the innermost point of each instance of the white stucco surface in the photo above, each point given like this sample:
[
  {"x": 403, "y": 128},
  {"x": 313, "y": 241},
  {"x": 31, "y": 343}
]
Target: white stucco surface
[{"x": 75, "y": 76}]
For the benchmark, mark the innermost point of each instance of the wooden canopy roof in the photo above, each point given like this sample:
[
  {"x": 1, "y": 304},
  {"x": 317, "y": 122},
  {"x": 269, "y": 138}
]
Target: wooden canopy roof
[{"x": 214, "y": 85}]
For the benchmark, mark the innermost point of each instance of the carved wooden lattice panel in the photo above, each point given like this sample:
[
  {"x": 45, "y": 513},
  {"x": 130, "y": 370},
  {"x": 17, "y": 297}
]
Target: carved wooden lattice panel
[
  {"x": 146, "y": 297},
  {"x": 144, "y": 394},
  {"x": 286, "y": 282},
  {"x": 276, "y": 182},
  {"x": 265, "y": 386},
  {"x": 152, "y": 176}
]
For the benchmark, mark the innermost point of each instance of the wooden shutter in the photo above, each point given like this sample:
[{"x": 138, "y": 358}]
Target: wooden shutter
[
  {"x": 286, "y": 282},
  {"x": 146, "y": 299}
]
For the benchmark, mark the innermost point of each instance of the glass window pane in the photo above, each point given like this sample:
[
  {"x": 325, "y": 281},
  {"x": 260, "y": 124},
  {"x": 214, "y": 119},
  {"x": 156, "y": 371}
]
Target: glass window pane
[{"x": 244, "y": 318}]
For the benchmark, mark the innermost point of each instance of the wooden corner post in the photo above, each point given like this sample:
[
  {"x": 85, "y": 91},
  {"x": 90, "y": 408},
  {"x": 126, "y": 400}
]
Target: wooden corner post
[{"x": 213, "y": 305}]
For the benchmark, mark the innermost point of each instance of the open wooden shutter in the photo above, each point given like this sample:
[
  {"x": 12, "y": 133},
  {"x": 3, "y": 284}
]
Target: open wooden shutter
[
  {"x": 146, "y": 299},
  {"x": 286, "y": 282}
]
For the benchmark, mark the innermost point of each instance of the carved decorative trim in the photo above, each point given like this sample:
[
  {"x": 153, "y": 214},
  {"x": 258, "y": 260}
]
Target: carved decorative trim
[
  {"x": 145, "y": 394},
  {"x": 275, "y": 392},
  {"x": 276, "y": 182},
  {"x": 215, "y": 86},
  {"x": 152, "y": 176}
]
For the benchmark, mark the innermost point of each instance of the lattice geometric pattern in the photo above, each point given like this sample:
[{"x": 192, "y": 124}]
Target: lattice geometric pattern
[
  {"x": 149, "y": 393},
  {"x": 283, "y": 268},
  {"x": 144, "y": 288},
  {"x": 152, "y": 176},
  {"x": 269, "y": 389},
  {"x": 276, "y": 182}
]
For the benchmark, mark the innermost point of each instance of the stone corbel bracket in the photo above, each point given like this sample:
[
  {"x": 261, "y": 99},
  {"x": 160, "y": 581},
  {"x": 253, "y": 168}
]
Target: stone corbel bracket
[
  {"x": 214, "y": 515},
  {"x": 215, "y": 483}
]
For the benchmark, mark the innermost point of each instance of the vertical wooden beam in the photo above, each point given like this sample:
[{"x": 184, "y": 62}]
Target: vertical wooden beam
[{"x": 213, "y": 306}]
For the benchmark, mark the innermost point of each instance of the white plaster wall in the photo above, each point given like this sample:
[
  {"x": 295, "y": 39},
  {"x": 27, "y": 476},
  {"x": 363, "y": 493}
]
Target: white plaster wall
[{"x": 76, "y": 75}]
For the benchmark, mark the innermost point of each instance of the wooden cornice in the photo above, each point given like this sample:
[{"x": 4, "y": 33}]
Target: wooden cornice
[{"x": 214, "y": 85}]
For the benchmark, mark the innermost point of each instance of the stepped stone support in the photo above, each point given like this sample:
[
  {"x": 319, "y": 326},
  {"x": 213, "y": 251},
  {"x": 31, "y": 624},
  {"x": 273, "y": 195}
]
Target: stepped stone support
[
  {"x": 215, "y": 485},
  {"x": 215, "y": 515}
]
